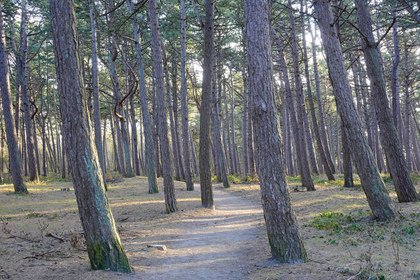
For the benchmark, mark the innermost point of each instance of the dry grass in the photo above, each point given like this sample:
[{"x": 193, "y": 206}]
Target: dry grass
[
  {"x": 337, "y": 249},
  {"x": 341, "y": 239}
]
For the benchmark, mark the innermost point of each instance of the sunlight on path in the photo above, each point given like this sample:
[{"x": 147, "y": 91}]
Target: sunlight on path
[{"x": 221, "y": 246}]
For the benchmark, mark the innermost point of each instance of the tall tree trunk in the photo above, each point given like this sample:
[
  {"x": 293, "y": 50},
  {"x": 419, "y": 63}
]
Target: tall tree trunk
[
  {"x": 407, "y": 110},
  {"x": 168, "y": 181},
  {"x": 282, "y": 230},
  {"x": 170, "y": 108},
  {"x": 149, "y": 152},
  {"x": 205, "y": 113},
  {"x": 95, "y": 88},
  {"x": 155, "y": 128},
  {"x": 26, "y": 106},
  {"x": 194, "y": 156},
  {"x": 103, "y": 244},
  {"x": 227, "y": 128},
  {"x": 245, "y": 117},
  {"x": 184, "y": 105},
  {"x": 324, "y": 161},
  {"x": 372, "y": 184},
  {"x": 11, "y": 136},
  {"x": 389, "y": 137},
  {"x": 300, "y": 105},
  {"x": 175, "y": 108},
  {"x": 218, "y": 142},
  {"x": 134, "y": 136},
  {"x": 124, "y": 150},
  {"x": 232, "y": 119},
  {"x": 169, "y": 103},
  {"x": 395, "y": 85},
  {"x": 348, "y": 170},
  {"x": 56, "y": 131},
  {"x": 322, "y": 131},
  {"x": 63, "y": 157},
  {"x": 298, "y": 134}
]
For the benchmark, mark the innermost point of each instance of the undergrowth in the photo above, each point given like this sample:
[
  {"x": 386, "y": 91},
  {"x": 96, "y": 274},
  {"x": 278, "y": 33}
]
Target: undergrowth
[{"x": 361, "y": 228}]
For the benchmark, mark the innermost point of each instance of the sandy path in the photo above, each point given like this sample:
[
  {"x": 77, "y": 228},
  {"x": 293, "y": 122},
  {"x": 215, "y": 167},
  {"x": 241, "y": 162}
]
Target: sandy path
[{"x": 223, "y": 246}]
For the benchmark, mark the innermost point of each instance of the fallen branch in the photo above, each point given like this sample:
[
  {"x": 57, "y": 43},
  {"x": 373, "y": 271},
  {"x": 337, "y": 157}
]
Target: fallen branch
[{"x": 55, "y": 236}]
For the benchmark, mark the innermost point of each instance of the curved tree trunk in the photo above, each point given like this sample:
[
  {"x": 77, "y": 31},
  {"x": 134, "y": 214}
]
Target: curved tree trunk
[
  {"x": 297, "y": 131},
  {"x": 324, "y": 161},
  {"x": 151, "y": 172},
  {"x": 371, "y": 181},
  {"x": 26, "y": 106},
  {"x": 389, "y": 136}
]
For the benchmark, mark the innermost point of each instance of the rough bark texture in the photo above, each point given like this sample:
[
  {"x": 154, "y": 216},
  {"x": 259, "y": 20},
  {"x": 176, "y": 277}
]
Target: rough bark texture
[
  {"x": 168, "y": 181},
  {"x": 282, "y": 230},
  {"x": 372, "y": 184},
  {"x": 103, "y": 243},
  {"x": 388, "y": 133},
  {"x": 205, "y": 113},
  {"x": 9, "y": 121}
]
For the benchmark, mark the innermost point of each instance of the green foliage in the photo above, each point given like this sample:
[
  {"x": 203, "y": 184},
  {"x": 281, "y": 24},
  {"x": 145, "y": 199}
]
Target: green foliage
[
  {"x": 335, "y": 222},
  {"x": 415, "y": 177},
  {"x": 294, "y": 179},
  {"x": 402, "y": 231}
]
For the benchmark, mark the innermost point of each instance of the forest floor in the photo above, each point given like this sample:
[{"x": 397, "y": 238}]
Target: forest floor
[{"x": 41, "y": 235}]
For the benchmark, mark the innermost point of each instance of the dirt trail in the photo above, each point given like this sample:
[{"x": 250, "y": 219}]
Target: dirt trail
[{"x": 223, "y": 246}]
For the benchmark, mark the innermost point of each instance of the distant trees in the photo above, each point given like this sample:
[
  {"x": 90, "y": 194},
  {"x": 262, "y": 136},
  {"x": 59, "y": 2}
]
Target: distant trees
[
  {"x": 12, "y": 143},
  {"x": 371, "y": 181},
  {"x": 125, "y": 79}
]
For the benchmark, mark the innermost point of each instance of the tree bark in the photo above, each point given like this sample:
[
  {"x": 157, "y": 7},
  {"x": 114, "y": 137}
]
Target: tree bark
[
  {"x": 168, "y": 181},
  {"x": 149, "y": 152},
  {"x": 95, "y": 88},
  {"x": 205, "y": 112},
  {"x": 26, "y": 106},
  {"x": 389, "y": 137},
  {"x": 103, "y": 244},
  {"x": 347, "y": 167},
  {"x": 298, "y": 133},
  {"x": 319, "y": 144},
  {"x": 282, "y": 230},
  {"x": 372, "y": 184},
  {"x": 11, "y": 137},
  {"x": 322, "y": 131},
  {"x": 184, "y": 105}
]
